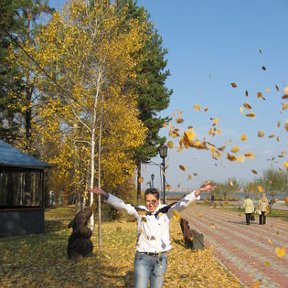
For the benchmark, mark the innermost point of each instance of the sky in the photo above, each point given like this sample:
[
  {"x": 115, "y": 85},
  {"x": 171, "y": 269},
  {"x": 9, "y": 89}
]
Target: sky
[{"x": 212, "y": 44}]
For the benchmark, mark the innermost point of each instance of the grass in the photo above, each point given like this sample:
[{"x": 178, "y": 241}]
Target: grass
[{"x": 40, "y": 260}]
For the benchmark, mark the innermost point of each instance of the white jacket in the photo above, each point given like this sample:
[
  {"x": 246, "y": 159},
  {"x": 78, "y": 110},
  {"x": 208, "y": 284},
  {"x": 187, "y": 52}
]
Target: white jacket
[{"x": 152, "y": 231}]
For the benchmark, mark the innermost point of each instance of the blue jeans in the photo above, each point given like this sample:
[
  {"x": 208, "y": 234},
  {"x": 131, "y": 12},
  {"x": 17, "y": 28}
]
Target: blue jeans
[{"x": 149, "y": 269}]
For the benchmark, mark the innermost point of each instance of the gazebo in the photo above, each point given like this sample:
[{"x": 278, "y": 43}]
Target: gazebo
[{"x": 21, "y": 192}]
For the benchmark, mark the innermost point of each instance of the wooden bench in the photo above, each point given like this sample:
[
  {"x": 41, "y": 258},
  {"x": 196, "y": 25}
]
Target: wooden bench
[{"x": 192, "y": 238}]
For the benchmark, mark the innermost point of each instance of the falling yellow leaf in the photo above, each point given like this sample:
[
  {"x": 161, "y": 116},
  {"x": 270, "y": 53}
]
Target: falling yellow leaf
[
  {"x": 285, "y": 106},
  {"x": 170, "y": 144},
  {"x": 247, "y": 105},
  {"x": 176, "y": 215},
  {"x": 190, "y": 177},
  {"x": 234, "y": 85},
  {"x": 197, "y": 107},
  {"x": 143, "y": 219},
  {"x": 286, "y": 125},
  {"x": 260, "y": 95},
  {"x": 254, "y": 171},
  {"x": 215, "y": 121},
  {"x": 277, "y": 88},
  {"x": 212, "y": 225},
  {"x": 174, "y": 132},
  {"x": 242, "y": 110},
  {"x": 206, "y": 109},
  {"x": 249, "y": 155},
  {"x": 250, "y": 115},
  {"x": 189, "y": 135},
  {"x": 244, "y": 137},
  {"x": 271, "y": 136},
  {"x": 182, "y": 167},
  {"x": 235, "y": 149},
  {"x": 261, "y": 134},
  {"x": 267, "y": 90},
  {"x": 286, "y": 165},
  {"x": 240, "y": 158},
  {"x": 260, "y": 189},
  {"x": 231, "y": 157},
  {"x": 281, "y": 252},
  {"x": 179, "y": 120}
]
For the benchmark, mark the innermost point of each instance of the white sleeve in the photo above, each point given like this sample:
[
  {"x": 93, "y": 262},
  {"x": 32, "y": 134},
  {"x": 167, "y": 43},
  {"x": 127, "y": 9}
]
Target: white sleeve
[
  {"x": 183, "y": 203},
  {"x": 119, "y": 204}
]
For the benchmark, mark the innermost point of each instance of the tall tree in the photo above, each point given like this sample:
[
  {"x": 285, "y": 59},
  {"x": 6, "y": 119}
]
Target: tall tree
[
  {"x": 87, "y": 57},
  {"x": 153, "y": 95},
  {"x": 22, "y": 98},
  {"x": 10, "y": 22}
]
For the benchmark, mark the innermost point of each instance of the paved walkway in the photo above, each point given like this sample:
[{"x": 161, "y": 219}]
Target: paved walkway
[{"x": 247, "y": 251}]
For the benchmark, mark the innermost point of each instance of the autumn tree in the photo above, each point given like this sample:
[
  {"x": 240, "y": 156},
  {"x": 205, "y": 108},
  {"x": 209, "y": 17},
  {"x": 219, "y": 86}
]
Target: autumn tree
[
  {"x": 22, "y": 98},
  {"x": 86, "y": 58}
]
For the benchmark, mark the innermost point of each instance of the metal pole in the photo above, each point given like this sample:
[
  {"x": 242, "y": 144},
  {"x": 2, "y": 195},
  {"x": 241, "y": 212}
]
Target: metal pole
[{"x": 164, "y": 182}]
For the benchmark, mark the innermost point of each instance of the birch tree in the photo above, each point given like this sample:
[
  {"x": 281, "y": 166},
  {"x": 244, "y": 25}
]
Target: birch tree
[{"x": 85, "y": 59}]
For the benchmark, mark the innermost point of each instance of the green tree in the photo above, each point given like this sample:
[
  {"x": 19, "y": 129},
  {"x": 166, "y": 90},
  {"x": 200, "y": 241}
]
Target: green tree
[
  {"x": 153, "y": 95},
  {"x": 10, "y": 22}
]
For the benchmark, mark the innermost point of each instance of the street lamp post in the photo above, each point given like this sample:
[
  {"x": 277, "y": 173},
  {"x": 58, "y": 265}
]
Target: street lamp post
[
  {"x": 152, "y": 180},
  {"x": 163, "y": 149}
]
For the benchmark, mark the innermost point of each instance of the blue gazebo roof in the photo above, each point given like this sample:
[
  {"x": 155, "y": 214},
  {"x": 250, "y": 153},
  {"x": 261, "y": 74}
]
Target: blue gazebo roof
[{"x": 13, "y": 157}]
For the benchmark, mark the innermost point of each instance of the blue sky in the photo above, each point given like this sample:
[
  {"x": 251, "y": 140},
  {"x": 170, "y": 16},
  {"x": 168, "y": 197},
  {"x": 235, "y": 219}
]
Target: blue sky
[{"x": 210, "y": 45}]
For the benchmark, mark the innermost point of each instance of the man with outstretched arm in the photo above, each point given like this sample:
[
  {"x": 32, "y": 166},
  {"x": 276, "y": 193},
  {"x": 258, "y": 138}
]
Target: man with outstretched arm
[{"x": 153, "y": 239}]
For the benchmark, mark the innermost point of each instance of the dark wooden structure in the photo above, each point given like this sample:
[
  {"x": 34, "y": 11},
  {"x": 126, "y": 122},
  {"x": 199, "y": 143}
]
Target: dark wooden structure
[
  {"x": 21, "y": 192},
  {"x": 192, "y": 238}
]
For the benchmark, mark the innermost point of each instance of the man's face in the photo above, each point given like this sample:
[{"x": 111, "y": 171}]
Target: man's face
[{"x": 151, "y": 202}]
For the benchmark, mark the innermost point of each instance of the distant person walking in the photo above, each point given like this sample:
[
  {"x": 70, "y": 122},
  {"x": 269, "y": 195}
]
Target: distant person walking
[
  {"x": 248, "y": 208},
  {"x": 263, "y": 206}
]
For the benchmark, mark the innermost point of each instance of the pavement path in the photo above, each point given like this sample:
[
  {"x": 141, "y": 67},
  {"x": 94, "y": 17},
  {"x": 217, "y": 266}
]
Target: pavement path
[{"x": 246, "y": 251}]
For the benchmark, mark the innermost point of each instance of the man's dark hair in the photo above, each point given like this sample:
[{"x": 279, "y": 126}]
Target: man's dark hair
[{"x": 152, "y": 191}]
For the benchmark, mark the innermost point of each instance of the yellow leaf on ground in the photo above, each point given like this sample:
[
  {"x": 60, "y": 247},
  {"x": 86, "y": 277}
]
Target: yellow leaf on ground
[
  {"x": 281, "y": 252},
  {"x": 257, "y": 284},
  {"x": 267, "y": 264}
]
